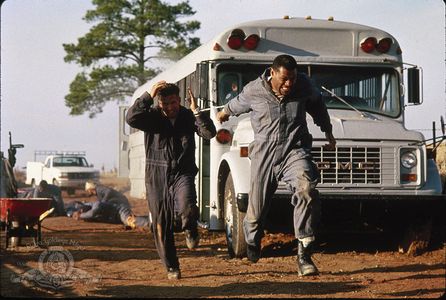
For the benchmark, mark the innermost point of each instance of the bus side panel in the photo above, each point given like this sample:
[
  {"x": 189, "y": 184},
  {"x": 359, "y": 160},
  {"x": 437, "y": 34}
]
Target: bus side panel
[
  {"x": 137, "y": 165},
  {"x": 123, "y": 138}
]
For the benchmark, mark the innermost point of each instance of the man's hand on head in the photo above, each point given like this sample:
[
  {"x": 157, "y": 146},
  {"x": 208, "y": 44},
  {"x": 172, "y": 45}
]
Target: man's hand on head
[{"x": 156, "y": 87}]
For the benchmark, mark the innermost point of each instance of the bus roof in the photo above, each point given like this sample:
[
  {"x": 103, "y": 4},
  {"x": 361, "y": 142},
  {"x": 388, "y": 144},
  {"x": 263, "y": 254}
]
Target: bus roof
[{"x": 307, "y": 40}]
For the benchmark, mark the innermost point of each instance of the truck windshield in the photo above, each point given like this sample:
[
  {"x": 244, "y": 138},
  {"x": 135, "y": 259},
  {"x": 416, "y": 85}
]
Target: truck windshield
[
  {"x": 367, "y": 89},
  {"x": 69, "y": 161}
]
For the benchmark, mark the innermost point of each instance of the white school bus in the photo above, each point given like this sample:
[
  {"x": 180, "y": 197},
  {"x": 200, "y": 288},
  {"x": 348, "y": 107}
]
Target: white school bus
[{"x": 361, "y": 74}]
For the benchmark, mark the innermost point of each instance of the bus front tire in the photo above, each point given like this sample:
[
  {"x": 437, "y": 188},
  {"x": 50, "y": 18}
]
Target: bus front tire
[{"x": 235, "y": 237}]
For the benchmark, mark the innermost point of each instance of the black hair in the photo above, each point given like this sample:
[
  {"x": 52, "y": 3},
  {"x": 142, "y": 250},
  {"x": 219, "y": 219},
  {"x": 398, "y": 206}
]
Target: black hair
[
  {"x": 284, "y": 60},
  {"x": 43, "y": 184},
  {"x": 169, "y": 89}
]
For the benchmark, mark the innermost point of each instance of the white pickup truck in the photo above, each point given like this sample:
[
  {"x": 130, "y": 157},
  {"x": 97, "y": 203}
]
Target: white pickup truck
[{"x": 68, "y": 170}]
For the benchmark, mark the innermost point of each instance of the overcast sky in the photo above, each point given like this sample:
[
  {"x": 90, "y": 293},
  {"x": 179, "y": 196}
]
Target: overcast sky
[{"x": 35, "y": 79}]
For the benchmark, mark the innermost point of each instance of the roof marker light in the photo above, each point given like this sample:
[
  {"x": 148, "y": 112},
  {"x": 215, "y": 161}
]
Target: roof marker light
[
  {"x": 217, "y": 47},
  {"x": 369, "y": 44},
  {"x": 384, "y": 45},
  {"x": 251, "y": 42},
  {"x": 235, "y": 39}
]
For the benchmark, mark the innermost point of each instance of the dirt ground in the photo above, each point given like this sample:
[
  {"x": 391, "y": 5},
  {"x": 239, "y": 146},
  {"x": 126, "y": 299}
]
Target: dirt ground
[{"x": 79, "y": 259}]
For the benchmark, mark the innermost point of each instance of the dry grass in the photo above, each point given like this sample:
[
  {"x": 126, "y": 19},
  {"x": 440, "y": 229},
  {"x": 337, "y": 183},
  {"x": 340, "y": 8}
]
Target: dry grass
[
  {"x": 441, "y": 158},
  {"x": 441, "y": 162}
]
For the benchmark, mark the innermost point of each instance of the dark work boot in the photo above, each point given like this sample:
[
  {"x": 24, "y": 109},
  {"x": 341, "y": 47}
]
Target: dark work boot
[
  {"x": 253, "y": 253},
  {"x": 305, "y": 265}
]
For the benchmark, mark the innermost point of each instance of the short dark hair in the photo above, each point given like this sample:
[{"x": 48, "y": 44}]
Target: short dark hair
[
  {"x": 284, "y": 60},
  {"x": 169, "y": 89},
  {"x": 43, "y": 184}
]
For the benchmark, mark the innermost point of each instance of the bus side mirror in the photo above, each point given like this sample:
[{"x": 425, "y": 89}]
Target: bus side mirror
[
  {"x": 202, "y": 78},
  {"x": 414, "y": 92}
]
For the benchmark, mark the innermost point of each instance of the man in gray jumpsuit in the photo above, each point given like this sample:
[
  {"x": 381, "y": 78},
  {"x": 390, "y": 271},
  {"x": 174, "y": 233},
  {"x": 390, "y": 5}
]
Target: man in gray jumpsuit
[
  {"x": 169, "y": 136},
  {"x": 281, "y": 151}
]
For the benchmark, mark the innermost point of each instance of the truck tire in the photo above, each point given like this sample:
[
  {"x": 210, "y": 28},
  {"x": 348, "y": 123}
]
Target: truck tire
[{"x": 235, "y": 237}]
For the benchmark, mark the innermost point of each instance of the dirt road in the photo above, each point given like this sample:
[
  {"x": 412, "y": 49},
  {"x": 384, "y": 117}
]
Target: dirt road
[{"x": 105, "y": 260}]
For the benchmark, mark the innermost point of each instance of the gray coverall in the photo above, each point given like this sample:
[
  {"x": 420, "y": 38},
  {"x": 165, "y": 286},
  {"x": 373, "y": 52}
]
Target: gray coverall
[
  {"x": 281, "y": 151},
  {"x": 107, "y": 194},
  {"x": 170, "y": 170},
  {"x": 54, "y": 192}
]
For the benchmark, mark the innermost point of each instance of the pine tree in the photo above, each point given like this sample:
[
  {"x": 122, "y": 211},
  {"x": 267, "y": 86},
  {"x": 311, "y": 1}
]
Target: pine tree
[{"x": 118, "y": 53}]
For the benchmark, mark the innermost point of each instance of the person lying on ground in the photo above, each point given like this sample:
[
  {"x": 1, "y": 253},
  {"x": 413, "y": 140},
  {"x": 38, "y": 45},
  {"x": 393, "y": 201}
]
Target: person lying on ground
[{"x": 107, "y": 212}]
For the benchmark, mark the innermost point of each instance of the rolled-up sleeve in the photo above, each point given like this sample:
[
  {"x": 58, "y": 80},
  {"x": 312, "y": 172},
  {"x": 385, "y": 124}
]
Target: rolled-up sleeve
[{"x": 204, "y": 126}]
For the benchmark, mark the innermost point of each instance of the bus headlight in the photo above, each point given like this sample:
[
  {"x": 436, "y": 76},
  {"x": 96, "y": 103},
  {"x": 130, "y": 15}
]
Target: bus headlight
[{"x": 408, "y": 159}]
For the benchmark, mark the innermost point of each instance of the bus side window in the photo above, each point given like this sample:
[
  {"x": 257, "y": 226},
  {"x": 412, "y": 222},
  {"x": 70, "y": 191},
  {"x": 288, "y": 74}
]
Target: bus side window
[
  {"x": 190, "y": 83},
  {"x": 182, "y": 86},
  {"x": 229, "y": 87}
]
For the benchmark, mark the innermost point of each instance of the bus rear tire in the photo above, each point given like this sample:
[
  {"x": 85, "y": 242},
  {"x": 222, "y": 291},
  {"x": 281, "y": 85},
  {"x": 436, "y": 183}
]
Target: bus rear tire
[{"x": 235, "y": 238}]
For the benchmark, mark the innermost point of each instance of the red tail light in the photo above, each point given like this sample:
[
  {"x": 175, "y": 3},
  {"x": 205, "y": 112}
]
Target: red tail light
[
  {"x": 369, "y": 44},
  {"x": 224, "y": 136},
  {"x": 250, "y": 43},
  {"x": 235, "y": 39},
  {"x": 384, "y": 45}
]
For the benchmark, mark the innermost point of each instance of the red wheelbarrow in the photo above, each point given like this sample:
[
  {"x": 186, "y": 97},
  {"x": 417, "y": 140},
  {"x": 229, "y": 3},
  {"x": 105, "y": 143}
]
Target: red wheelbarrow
[{"x": 19, "y": 216}]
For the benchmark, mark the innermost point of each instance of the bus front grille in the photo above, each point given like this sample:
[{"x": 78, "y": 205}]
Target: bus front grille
[{"x": 349, "y": 165}]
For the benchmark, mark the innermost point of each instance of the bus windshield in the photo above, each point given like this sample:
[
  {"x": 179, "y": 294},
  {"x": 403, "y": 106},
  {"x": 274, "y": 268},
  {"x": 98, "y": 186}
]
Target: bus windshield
[{"x": 368, "y": 89}]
